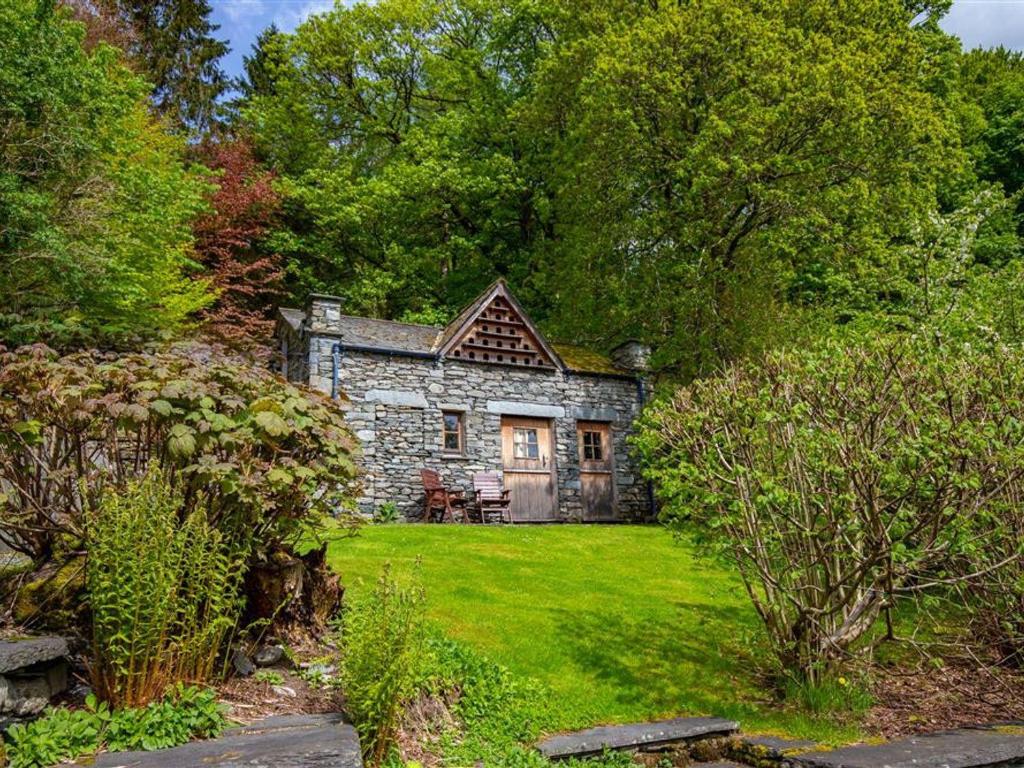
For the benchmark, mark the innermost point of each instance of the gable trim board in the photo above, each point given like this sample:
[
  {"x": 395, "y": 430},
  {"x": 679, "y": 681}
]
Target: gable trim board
[{"x": 399, "y": 379}]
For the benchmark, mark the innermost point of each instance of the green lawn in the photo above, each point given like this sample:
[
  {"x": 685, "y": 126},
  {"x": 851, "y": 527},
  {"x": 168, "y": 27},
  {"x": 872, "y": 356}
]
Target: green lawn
[{"x": 621, "y": 622}]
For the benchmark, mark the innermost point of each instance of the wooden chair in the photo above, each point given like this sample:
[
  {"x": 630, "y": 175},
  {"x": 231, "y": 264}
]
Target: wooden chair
[
  {"x": 436, "y": 497},
  {"x": 492, "y": 499}
]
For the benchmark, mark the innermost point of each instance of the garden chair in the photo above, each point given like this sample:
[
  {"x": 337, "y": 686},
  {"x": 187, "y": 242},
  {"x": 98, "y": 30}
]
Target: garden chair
[
  {"x": 492, "y": 499},
  {"x": 441, "y": 500}
]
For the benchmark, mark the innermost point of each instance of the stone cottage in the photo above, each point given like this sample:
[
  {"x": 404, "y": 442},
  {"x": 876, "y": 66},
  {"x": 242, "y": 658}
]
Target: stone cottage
[{"x": 485, "y": 393}]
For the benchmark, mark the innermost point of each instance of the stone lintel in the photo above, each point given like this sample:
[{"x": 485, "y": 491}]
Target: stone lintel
[
  {"x": 396, "y": 397},
  {"x": 538, "y": 410},
  {"x": 589, "y": 413}
]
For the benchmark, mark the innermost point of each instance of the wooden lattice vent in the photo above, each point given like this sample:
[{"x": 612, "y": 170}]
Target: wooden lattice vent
[{"x": 499, "y": 335}]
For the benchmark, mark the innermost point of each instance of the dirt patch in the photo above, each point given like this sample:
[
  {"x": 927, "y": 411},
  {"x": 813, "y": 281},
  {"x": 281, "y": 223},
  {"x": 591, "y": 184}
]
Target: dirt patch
[
  {"x": 931, "y": 698},
  {"x": 250, "y": 699},
  {"x": 424, "y": 724}
]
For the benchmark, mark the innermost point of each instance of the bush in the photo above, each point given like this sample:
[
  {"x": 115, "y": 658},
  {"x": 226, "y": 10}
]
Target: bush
[
  {"x": 382, "y": 661},
  {"x": 164, "y": 592},
  {"x": 839, "y": 477},
  {"x": 64, "y": 735},
  {"x": 254, "y": 452}
]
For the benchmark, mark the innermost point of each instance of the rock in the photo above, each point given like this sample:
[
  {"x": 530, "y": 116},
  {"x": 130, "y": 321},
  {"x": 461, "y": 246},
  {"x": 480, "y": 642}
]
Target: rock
[
  {"x": 594, "y": 741},
  {"x": 8, "y": 695},
  {"x": 50, "y": 597},
  {"x": 242, "y": 664},
  {"x": 268, "y": 655},
  {"x": 768, "y": 750},
  {"x": 283, "y": 690},
  {"x": 963, "y": 748},
  {"x": 291, "y": 741},
  {"x": 18, "y": 654},
  {"x": 30, "y": 707}
]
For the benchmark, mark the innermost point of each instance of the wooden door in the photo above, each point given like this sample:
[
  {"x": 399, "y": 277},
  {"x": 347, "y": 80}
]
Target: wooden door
[
  {"x": 597, "y": 484},
  {"x": 529, "y": 467}
]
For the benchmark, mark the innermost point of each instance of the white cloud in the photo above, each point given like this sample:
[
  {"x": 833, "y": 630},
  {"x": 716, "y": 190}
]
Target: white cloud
[
  {"x": 987, "y": 23},
  {"x": 288, "y": 16}
]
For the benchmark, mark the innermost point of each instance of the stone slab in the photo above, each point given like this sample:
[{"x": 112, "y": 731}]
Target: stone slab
[
  {"x": 963, "y": 748},
  {"x": 18, "y": 654},
  {"x": 591, "y": 413},
  {"x": 593, "y": 741},
  {"x": 536, "y": 410},
  {"x": 286, "y": 741}
]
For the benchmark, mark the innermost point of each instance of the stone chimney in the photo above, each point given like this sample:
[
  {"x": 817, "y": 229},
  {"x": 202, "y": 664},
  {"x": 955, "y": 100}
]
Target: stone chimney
[
  {"x": 323, "y": 312},
  {"x": 632, "y": 356}
]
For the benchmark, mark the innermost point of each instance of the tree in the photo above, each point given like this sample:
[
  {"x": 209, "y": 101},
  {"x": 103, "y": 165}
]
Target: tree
[
  {"x": 95, "y": 202},
  {"x": 229, "y": 244},
  {"x": 260, "y": 68},
  {"x": 175, "y": 49},
  {"x": 705, "y": 176},
  {"x": 392, "y": 124},
  {"x": 719, "y": 154}
]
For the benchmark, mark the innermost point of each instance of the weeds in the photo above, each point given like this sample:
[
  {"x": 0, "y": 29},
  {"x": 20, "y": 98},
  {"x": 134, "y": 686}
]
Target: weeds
[{"x": 382, "y": 661}]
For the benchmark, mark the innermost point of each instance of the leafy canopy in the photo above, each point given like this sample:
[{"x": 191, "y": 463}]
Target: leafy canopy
[{"x": 95, "y": 201}]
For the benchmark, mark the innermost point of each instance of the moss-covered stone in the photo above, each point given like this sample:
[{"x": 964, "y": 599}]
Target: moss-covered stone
[{"x": 51, "y": 598}]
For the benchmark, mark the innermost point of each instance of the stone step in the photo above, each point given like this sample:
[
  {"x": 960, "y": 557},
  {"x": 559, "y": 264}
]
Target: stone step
[
  {"x": 594, "y": 741},
  {"x": 286, "y": 741},
  {"x": 963, "y": 748}
]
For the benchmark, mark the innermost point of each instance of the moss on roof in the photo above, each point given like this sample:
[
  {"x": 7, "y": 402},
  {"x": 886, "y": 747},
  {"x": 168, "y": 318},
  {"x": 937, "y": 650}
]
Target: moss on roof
[{"x": 581, "y": 359}]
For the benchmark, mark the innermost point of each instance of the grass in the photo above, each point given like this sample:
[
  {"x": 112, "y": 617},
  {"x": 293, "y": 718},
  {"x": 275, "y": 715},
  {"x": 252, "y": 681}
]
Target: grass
[{"x": 621, "y": 623}]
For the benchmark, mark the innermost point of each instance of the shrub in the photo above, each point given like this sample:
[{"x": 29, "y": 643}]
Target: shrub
[
  {"x": 62, "y": 735},
  {"x": 164, "y": 592},
  {"x": 839, "y": 477},
  {"x": 382, "y": 661},
  {"x": 256, "y": 453}
]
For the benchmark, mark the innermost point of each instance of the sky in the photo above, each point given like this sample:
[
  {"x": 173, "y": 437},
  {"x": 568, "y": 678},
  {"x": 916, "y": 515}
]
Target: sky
[{"x": 978, "y": 22}]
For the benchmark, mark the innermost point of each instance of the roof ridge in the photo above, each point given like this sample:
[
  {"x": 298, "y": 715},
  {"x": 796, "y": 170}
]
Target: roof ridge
[{"x": 393, "y": 322}]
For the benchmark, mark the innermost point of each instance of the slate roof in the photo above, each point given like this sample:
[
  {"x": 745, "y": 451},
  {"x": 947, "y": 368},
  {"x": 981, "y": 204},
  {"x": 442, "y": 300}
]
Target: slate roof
[
  {"x": 426, "y": 339},
  {"x": 387, "y": 334}
]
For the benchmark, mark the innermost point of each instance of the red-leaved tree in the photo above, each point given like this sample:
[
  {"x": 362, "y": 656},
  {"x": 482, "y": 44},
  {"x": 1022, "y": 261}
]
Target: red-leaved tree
[{"x": 228, "y": 243}]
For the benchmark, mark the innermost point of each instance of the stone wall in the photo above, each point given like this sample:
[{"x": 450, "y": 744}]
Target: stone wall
[{"x": 396, "y": 406}]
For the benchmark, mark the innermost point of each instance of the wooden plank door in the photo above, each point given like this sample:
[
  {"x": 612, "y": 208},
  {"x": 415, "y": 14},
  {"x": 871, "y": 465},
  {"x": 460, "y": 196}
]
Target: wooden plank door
[
  {"x": 529, "y": 467},
  {"x": 597, "y": 483}
]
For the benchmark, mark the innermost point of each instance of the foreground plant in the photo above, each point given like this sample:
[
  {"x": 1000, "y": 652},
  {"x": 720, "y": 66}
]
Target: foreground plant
[
  {"x": 164, "y": 591},
  {"x": 382, "y": 661},
  {"x": 63, "y": 735},
  {"x": 839, "y": 478}
]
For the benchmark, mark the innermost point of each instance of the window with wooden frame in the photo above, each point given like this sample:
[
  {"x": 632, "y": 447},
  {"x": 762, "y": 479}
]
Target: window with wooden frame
[
  {"x": 593, "y": 450},
  {"x": 452, "y": 431},
  {"x": 525, "y": 443}
]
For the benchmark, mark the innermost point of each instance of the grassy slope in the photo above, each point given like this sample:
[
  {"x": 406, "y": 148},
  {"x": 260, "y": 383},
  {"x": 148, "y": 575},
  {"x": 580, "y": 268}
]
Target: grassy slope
[{"x": 621, "y": 622}]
